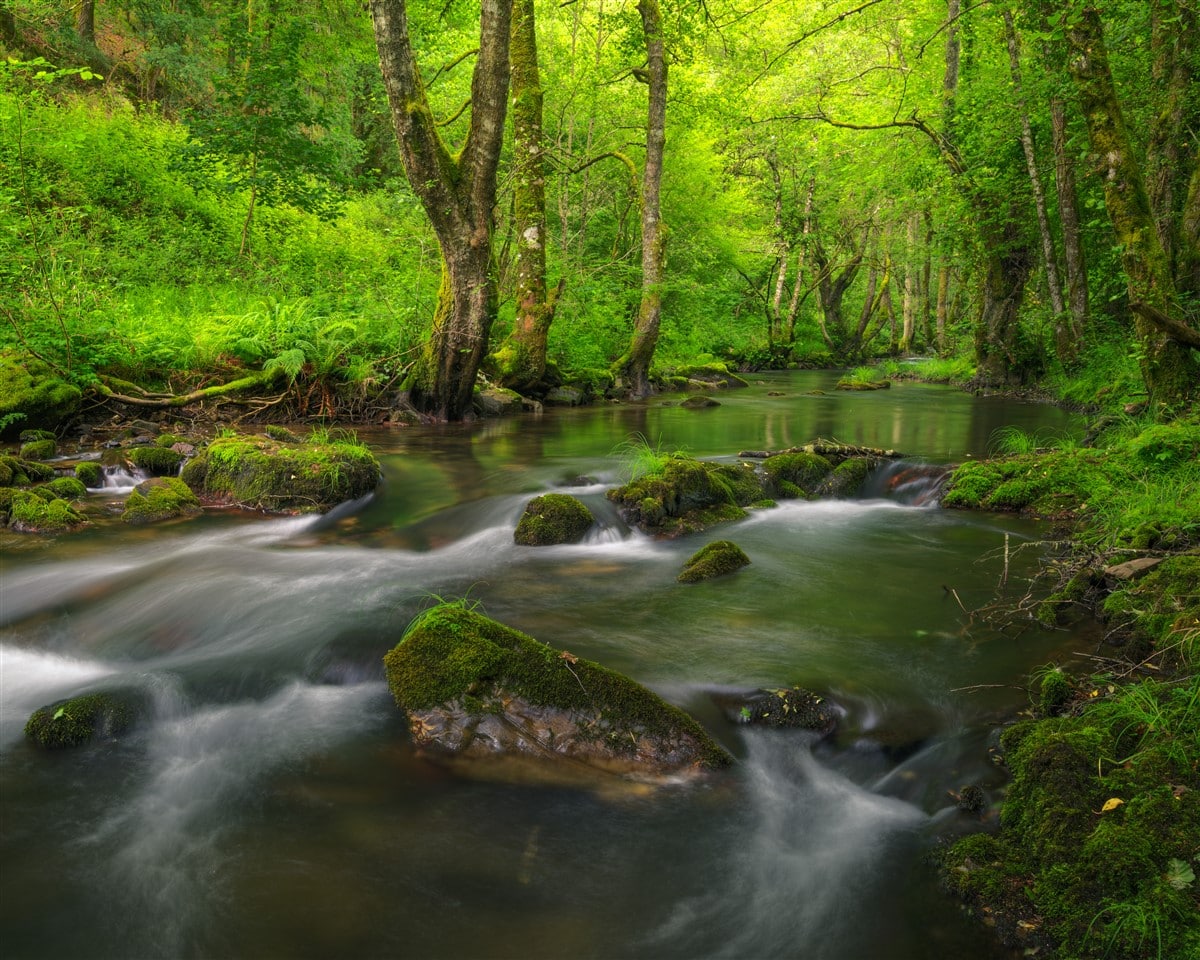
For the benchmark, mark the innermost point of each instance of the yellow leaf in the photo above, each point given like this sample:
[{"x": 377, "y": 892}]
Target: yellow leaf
[{"x": 1111, "y": 804}]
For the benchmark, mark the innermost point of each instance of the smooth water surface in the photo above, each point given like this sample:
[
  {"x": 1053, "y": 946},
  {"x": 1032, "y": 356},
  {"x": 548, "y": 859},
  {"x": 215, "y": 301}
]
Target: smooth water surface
[{"x": 271, "y": 807}]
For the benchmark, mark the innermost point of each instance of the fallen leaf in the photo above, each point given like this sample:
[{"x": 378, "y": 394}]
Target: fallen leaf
[
  {"x": 568, "y": 656},
  {"x": 1111, "y": 804}
]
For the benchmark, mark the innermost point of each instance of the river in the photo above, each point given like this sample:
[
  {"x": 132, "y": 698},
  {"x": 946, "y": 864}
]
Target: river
[{"x": 271, "y": 807}]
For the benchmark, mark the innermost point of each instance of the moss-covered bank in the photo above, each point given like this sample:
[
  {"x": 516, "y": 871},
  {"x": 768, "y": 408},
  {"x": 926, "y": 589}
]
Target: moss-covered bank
[{"x": 1099, "y": 837}]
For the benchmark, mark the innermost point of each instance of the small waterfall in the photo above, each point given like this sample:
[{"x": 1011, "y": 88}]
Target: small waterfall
[
  {"x": 908, "y": 482},
  {"x": 119, "y": 479}
]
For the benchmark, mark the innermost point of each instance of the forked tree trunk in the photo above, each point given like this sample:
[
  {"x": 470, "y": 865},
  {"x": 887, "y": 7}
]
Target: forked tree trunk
[
  {"x": 457, "y": 194},
  {"x": 634, "y": 368},
  {"x": 521, "y": 359},
  {"x": 1169, "y": 367}
]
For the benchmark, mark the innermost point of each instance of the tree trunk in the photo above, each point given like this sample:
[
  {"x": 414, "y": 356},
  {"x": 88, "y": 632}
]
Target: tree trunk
[
  {"x": 634, "y": 367},
  {"x": 85, "y": 21},
  {"x": 927, "y": 282},
  {"x": 798, "y": 283},
  {"x": 1068, "y": 216},
  {"x": 908, "y": 308},
  {"x": 1168, "y": 367},
  {"x": 832, "y": 291},
  {"x": 783, "y": 254},
  {"x": 943, "y": 306},
  {"x": 1064, "y": 341},
  {"x": 457, "y": 194},
  {"x": 521, "y": 360}
]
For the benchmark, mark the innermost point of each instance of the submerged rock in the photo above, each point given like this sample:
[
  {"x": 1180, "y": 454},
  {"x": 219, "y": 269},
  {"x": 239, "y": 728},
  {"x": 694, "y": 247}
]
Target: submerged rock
[
  {"x": 699, "y": 403},
  {"x": 263, "y": 474},
  {"x": 553, "y": 518},
  {"x": 474, "y": 688},
  {"x": 714, "y": 560},
  {"x": 786, "y": 707},
  {"x": 73, "y": 722}
]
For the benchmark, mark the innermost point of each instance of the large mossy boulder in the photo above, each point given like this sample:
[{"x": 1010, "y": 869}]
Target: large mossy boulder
[
  {"x": 159, "y": 498},
  {"x": 553, "y": 518},
  {"x": 71, "y": 723},
  {"x": 263, "y": 474},
  {"x": 795, "y": 475},
  {"x": 39, "y": 510},
  {"x": 32, "y": 397},
  {"x": 687, "y": 495},
  {"x": 156, "y": 460},
  {"x": 714, "y": 560},
  {"x": 474, "y": 688}
]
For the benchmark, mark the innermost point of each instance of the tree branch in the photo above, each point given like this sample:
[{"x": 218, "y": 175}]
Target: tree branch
[{"x": 1177, "y": 330}]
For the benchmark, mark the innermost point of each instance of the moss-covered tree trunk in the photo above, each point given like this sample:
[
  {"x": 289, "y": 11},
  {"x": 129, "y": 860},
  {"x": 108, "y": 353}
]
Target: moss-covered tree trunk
[
  {"x": 457, "y": 194},
  {"x": 1072, "y": 232},
  {"x": 521, "y": 359},
  {"x": 633, "y": 370},
  {"x": 1169, "y": 366}
]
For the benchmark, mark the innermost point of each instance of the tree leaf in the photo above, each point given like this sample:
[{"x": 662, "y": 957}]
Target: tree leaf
[{"x": 1111, "y": 804}]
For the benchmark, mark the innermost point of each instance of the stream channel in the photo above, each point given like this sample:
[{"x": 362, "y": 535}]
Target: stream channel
[{"x": 271, "y": 806}]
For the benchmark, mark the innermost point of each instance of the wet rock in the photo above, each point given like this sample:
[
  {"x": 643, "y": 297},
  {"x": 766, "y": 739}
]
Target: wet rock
[
  {"x": 158, "y": 461},
  {"x": 474, "y": 688},
  {"x": 79, "y": 720},
  {"x": 714, "y": 560},
  {"x": 160, "y": 498},
  {"x": 793, "y": 475},
  {"x": 847, "y": 478},
  {"x": 699, "y": 403},
  {"x": 792, "y": 707},
  {"x": 687, "y": 495},
  {"x": 553, "y": 518},
  {"x": 569, "y": 395},
  {"x": 864, "y": 384},
  {"x": 38, "y": 450},
  {"x": 39, "y": 510},
  {"x": 971, "y": 799},
  {"x": 90, "y": 474},
  {"x": 263, "y": 474},
  {"x": 497, "y": 402}
]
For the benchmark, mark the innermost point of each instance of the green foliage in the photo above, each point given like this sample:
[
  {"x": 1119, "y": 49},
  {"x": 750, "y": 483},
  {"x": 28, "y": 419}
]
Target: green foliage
[{"x": 640, "y": 458}]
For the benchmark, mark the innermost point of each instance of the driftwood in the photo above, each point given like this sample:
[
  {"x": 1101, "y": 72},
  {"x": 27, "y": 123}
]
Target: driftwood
[
  {"x": 255, "y": 381},
  {"x": 826, "y": 448}
]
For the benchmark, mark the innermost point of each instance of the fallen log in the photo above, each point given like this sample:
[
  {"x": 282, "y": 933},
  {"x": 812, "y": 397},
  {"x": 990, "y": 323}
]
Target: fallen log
[{"x": 826, "y": 448}]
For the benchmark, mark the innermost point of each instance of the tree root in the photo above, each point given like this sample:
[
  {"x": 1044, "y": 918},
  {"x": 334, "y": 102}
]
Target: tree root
[{"x": 254, "y": 381}]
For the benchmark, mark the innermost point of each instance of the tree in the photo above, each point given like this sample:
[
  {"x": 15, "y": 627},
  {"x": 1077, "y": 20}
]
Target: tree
[
  {"x": 634, "y": 368},
  {"x": 521, "y": 360},
  {"x": 457, "y": 194},
  {"x": 1164, "y": 322}
]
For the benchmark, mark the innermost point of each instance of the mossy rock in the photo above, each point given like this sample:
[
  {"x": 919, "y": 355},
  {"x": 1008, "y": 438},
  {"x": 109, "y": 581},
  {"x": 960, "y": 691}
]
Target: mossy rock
[
  {"x": 708, "y": 375},
  {"x": 475, "y": 688},
  {"x": 79, "y": 720},
  {"x": 32, "y": 397},
  {"x": 40, "y": 511},
  {"x": 793, "y": 475},
  {"x": 168, "y": 440},
  {"x": 792, "y": 707},
  {"x": 160, "y": 498},
  {"x": 282, "y": 434},
  {"x": 687, "y": 495},
  {"x": 90, "y": 474},
  {"x": 699, "y": 403},
  {"x": 863, "y": 385},
  {"x": 553, "y": 518},
  {"x": 157, "y": 461},
  {"x": 28, "y": 436},
  {"x": 496, "y": 402},
  {"x": 714, "y": 560},
  {"x": 1054, "y": 692},
  {"x": 847, "y": 478},
  {"x": 262, "y": 474},
  {"x": 68, "y": 488},
  {"x": 38, "y": 449}
]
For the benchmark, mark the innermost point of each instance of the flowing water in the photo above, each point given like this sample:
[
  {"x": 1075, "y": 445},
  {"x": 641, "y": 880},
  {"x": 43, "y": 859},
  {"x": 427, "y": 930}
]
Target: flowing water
[{"x": 271, "y": 807}]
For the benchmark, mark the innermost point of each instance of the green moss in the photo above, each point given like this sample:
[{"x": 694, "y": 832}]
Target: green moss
[
  {"x": 847, "y": 478},
  {"x": 38, "y": 450},
  {"x": 21, "y": 473},
  {"x": 451, "y": 652},
  {"x": 714, "y": 560},
  {"x": 168, "y": 440},
  {"x": 70, "y": 723},
  {"x": 90, "y": 474},
  {"x": 68, "y": 488},
  {"x": 157, "y": 461},
  {"x": 282, "y": 434},
  {"x": 687, "y": 495},
  {"x": 794, "y": 474},
  {"x": 1054, "y": 692},
  {"x": 31, "y": 396},
  {"x": 1162, "y": 609},
  {"x": 30, "y": 513},
  {"x": 262, "y": 474},
  {"x": 1166, "y": 445},
  {"x": 159, "y": 498},
  {"x": 553, "y": 518},
  {"x": 970, "y": 483},
  {"x": 28, "y": 436}
]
